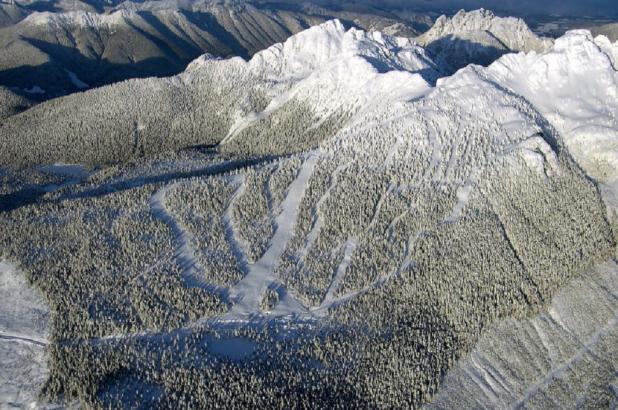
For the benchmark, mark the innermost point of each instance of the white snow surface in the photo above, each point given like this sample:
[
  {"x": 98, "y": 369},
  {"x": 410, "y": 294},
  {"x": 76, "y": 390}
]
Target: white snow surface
[
  {"x": 23, "y": 311},
  {"x": 575, "y": 86},
  {"x": 318, "y": 46},
  {"x": 353, "y": 63},
  {"x": 35, "y": 89},
  {"x": 68, "y": 170},
  {"x": 248, "y": 293},
  {"x": 23, "y": 335},
  {"x": 75, "y": 80}
]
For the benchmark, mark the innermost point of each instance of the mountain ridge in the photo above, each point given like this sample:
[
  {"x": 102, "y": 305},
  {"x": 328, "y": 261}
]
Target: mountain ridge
[
  {"x": 585, "y": 118},
  {"x": 479, "y": 37},
  {"x": 302, "y": 102}
]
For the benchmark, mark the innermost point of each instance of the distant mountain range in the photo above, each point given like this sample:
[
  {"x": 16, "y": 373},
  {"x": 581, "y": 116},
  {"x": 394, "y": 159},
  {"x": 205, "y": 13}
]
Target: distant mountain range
[
  {"x": 287, "y": 98},
  {"x": 609, "y": 30},
  {"x": 70, "y": 47},
  {"x": 54, "y": 48},
  {"x": 268, "y": 105}
]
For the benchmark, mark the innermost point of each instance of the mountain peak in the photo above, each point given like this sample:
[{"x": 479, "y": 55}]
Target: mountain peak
[
  {"x": 575, "y": 86},
  {"x": 477, "y": 20},
  {"x": 326, "y": 73},
  {"x": 479, "y": 37},
  {"x": 331, "y": 44},
  {"x": 304, "y": 51}
]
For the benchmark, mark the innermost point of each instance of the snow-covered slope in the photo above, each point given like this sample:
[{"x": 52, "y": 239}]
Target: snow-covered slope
[
  {"x": 479, "y": 37},
  {"x": 575, "y": 87},
  {"x": 318, "y": 46},
  {"x": 331, "y": 70},
  {"x": 83, "y": 19},
  {"x": 564, "y": 356}
]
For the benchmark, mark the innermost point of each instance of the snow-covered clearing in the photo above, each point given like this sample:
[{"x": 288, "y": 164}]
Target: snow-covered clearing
[
  {"x": 23, "y": 312},
  {"x": 75, "y": 171},
  {"x": 239, "y": 248},
  {"x": 23, "y": 336},
  {"x": 35, "y": 89},
  {"x": 349, "y": 248},
  {"x": 233, "y": 348},
  {"x": 463, "y": 197},
  {"x": 317, "y": 221}
]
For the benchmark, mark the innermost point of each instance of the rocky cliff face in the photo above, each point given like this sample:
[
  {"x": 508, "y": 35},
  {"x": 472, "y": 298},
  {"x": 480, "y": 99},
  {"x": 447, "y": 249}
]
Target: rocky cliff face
[{"x": 479, "y": 37}]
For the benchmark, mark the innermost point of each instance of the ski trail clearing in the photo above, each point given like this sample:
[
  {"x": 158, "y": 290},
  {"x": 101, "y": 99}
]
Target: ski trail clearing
[
  {"x": 350, "y": 247},
  {"x": 32, "y": 340},
  {"x": 248, "y": 293},
  {"x": 237, "y": 245}
]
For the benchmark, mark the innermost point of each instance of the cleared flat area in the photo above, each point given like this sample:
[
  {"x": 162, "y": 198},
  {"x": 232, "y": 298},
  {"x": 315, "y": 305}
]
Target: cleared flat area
[{"x": 23, "y": 328}]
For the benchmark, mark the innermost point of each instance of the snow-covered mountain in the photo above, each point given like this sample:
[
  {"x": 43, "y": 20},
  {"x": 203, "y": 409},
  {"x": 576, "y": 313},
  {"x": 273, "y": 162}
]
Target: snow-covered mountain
[
  {"x": 78, "y": 19},
  {"x": 479, "y": 37},
  {"x": 575, "y": 87},
  {"x": 384, "y": 220},
  {"x": 287, "y": 98}
]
